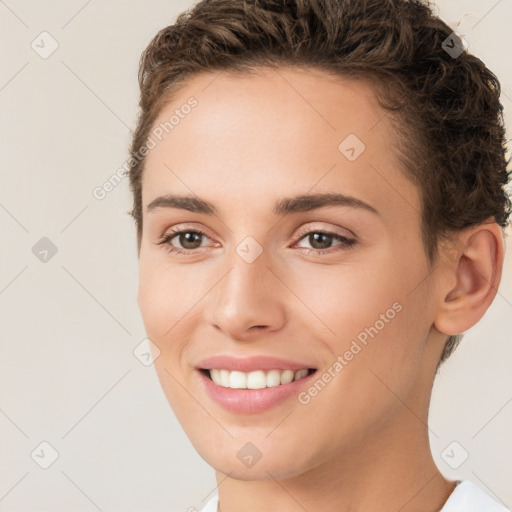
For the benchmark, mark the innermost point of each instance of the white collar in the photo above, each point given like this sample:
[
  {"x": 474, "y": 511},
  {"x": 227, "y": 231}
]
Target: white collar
[{"x": 468, "y": 497}]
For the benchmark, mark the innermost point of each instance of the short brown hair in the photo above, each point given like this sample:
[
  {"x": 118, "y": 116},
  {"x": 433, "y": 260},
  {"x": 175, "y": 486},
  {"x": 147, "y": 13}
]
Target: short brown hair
[{"x": 445, "y": 107}]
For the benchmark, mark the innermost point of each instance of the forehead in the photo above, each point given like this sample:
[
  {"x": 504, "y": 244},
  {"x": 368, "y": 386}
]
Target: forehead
[{"x": 285, "y": 130}]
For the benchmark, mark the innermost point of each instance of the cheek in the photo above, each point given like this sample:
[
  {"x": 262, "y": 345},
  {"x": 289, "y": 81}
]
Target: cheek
[
  {"x": 347, "y": 298},
  {"x": 165, "y": 293},
  {"x": 169, "y": 318},
  {"x": 378, "y": 332},
  {"x": 171, "y": 299},
  {"x": 372, "y": 314},
  {"x": 163, "y": 305}
]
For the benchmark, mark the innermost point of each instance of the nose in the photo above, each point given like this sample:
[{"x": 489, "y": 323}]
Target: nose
[{"x": 248, "y": 301}]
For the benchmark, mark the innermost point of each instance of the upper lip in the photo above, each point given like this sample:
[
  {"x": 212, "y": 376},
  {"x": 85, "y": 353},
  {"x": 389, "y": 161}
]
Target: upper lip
[{"x": 248, "y": 364}]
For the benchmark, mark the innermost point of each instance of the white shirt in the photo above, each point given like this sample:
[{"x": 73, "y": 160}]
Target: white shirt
[{"x": 466, "y": 497}]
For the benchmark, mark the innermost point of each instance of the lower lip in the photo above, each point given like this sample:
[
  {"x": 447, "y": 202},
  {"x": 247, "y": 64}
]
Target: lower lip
[{"x": 252, "y": 400}]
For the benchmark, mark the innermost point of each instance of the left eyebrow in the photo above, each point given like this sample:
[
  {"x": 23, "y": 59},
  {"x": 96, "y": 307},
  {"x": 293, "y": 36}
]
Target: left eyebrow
[
  {"x": 284, "y": 206},
  {"x": 304, "y": 203}
]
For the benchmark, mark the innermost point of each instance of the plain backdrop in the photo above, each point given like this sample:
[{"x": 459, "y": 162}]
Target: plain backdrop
[{"x": 69, "y": 320}]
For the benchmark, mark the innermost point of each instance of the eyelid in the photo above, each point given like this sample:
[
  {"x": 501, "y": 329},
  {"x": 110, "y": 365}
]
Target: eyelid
[
  {"x": 312, "y": 227},
  {"x": 179, "y": 228}
]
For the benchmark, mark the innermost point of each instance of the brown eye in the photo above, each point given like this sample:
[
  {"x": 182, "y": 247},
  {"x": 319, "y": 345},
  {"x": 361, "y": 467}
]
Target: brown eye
[
  {"x": 320, "y": 240},
  {"x": 189, "y": 239}
]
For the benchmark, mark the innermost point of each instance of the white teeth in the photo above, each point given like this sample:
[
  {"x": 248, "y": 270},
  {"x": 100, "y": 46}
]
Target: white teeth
[
  {"x": 255, "y": 380},
  {"x": 237, "y": 380},
  {"x": 215, "y": 375},
  {"x": 300, "y": 374},
  {"x": 273, "y": 378},
  {"x": 224, "y": 378},
  {"x": 287, "y": 376}
]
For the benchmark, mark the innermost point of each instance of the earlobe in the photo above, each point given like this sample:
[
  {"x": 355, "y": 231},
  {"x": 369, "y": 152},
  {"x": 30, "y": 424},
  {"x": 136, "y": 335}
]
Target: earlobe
[{"x": 476, "y": 270}]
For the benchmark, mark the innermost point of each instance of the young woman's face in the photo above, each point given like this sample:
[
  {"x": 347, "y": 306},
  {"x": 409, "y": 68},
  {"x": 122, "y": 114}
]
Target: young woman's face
[{"x": 252, "y": 275}]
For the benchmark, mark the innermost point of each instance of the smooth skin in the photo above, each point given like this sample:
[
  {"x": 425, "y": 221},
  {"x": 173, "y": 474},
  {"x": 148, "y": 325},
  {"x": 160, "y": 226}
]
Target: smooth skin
[{"x": 362, "y": 442}]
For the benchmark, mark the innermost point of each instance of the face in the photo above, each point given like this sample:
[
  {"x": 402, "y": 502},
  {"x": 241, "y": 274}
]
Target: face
[{"x": 270, "y": 284}]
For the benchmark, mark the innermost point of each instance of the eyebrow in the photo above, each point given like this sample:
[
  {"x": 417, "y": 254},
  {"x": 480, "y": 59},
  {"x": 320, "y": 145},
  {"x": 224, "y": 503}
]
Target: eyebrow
[{"x": 284, "y": 206}]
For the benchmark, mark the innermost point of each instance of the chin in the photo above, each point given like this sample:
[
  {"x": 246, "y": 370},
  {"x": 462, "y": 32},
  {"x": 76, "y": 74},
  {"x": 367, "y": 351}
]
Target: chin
[
  {"x": 234, "y": 459},
  {"x": 269, "y": 470}
]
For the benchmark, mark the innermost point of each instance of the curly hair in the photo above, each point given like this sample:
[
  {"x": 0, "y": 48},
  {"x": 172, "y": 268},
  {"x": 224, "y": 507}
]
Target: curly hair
[{"x": 445, "y": 106}]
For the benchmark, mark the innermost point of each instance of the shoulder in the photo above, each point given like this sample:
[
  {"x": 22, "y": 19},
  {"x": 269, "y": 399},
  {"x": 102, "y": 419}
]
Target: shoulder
[{"x": 468, "y": 497}]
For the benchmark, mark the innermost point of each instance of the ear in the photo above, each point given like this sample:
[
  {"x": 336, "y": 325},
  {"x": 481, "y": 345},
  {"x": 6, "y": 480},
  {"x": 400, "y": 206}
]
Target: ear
[{"x": 470, "y": 277}]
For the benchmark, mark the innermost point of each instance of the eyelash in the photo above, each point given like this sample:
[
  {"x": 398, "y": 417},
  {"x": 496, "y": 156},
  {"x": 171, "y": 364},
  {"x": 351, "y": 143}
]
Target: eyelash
[{"x": 346, "y": 243}]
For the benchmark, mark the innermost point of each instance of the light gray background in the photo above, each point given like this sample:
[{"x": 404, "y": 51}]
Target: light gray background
[{"x": 68, "y": 326}]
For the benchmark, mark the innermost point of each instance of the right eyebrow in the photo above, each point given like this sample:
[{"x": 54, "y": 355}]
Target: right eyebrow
[{"x": 192, "y": 204}]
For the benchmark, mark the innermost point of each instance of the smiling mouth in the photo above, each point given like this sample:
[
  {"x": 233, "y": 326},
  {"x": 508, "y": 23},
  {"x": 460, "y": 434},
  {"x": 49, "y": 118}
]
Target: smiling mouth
[{"x": 258, "y": 379}]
